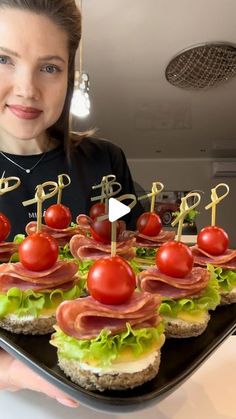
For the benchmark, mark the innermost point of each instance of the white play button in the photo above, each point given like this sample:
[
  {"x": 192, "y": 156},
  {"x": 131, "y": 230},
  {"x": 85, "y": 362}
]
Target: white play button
[{"x": 116, "y": 209}]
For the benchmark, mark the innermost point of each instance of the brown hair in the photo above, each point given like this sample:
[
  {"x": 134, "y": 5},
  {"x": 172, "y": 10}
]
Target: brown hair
[{"x": 65, "y": 14}]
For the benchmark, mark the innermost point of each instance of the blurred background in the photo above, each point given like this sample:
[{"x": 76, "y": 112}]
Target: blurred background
[{"x": 173, "y": 115}]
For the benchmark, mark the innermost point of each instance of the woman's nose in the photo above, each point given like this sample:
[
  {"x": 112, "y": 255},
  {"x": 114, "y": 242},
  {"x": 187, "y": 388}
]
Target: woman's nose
[{"x": 25, "y": 86}]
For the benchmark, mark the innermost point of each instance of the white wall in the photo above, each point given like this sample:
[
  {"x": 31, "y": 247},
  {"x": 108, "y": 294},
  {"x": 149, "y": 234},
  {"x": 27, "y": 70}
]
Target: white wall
[{"x": 189, "y": 174}]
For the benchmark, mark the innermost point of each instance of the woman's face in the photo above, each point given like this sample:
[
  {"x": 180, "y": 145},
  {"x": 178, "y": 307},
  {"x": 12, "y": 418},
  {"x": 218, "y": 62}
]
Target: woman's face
[{"x": 33, "y": 73}]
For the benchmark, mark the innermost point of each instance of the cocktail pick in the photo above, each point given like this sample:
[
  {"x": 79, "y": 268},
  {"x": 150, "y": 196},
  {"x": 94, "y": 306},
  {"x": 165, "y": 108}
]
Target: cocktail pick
[
  {"x": 62, "y": 184},
  {"x": 40, "y": 197},
  {"x": 184, "y": 209},
  {"x": 215, "y": 199},
  {"x": 157, "y": 187}
]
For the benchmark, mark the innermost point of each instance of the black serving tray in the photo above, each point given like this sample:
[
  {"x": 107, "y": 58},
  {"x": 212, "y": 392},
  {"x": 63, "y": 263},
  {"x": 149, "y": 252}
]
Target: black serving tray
[{"x": 179, "y": 359}]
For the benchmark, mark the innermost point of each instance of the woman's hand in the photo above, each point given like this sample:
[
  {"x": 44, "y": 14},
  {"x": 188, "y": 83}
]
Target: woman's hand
[{"x": 14, "y": 375}]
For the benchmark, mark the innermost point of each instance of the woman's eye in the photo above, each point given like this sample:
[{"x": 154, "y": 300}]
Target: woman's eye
[
  {"x": 4, "y": 59},
  {"x": 51, "y": 69}
]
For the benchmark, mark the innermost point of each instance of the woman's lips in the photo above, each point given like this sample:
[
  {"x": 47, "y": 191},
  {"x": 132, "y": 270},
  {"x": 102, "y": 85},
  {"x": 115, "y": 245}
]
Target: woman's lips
[{"x": 24, "y": 112}]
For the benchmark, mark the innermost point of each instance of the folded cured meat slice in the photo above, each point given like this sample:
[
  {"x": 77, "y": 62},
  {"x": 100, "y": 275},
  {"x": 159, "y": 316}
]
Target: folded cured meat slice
[
  {"x": 226, "y": 261},
  {"x": 84, "y": 222},
  {"x": 7, "y": 249},
  {"x": 154, "y": 281},
  {"x": 147, "y": 241},
  {"x": 83, "y": 248},
  {"x": 62, "y": 235},
  {"x": 84, "y": 318},
  {"x": 62, "y": 275}
]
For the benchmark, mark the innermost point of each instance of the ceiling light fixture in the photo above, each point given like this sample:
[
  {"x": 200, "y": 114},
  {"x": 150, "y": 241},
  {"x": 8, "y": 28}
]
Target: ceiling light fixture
[
  {"x": 202, "y": 66},
  {"x": 80, "y": 102}
]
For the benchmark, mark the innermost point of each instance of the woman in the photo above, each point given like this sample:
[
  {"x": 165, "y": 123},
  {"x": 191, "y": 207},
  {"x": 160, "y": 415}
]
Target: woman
[
  {"x": 36, "y": 83},
  {"x": 38, "y": 42}
]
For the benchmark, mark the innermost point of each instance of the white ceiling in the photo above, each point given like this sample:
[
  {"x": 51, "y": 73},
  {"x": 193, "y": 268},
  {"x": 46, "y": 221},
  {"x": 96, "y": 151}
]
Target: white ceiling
[{"x": 127, "y": 45}]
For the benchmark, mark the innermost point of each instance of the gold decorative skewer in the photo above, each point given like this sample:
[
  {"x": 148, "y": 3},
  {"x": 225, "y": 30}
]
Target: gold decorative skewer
[
  {"x": 62, "y": 185},
  {"x": 110, "y": 192},
  {"x": 103, "y": 188},
  {"x": 107, "y": 181},
  {"x": 184, "y": 209},
  {"x": 107, "y": 189},
  {"x": 114, "y": 223},
  {"x": 215, "y": 199},
  {"x": 101, "y": 185},
  {"x": 157, "y": 187},
  {"x": 4, "y": 188},
  {"x": 40, "y": 197}
]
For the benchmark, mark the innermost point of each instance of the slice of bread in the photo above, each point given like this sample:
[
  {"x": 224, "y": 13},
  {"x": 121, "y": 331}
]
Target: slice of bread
[
  {"x": 90, "y": 379},
  {"x": 228, "y": 297},
  {"x": 178, "y": 328},
  {"x": 28, "y": 325}
]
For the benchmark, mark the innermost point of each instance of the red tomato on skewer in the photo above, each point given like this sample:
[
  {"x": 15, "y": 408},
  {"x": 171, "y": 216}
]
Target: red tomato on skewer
[
  {"x": 96, "y": 210},
  {"x": 5, "y": 227},
  {"x": 174, "y": 259},
  {"x": 58, "y": 216},
  {"x": 213, "y": 240},
  {"x": 101, "y": 230},
  {"x": 149, "y": 223},
  {"x": 38, "y": 252},
  {"x": 111, "y": 280}
]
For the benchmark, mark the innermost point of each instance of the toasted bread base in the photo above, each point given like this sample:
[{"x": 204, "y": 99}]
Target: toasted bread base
[
  {"x": 28, "y": 325},
  {"x": 177, "y": 328},
  {"x": 116, "y": 381},
  {"x": 228, "y": 297}
]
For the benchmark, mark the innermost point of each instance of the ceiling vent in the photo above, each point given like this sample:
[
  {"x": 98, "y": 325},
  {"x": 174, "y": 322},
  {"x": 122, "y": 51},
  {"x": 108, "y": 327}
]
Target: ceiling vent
[
  {"x": 202, "y": 66},
  {"x": 224, "y": 169}
]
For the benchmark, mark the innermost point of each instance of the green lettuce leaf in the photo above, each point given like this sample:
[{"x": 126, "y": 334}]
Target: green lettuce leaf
[
  {"x": 103, "y": 350},
  {"x": 31, "y": 303},
  {"x": 225, "y": 277},
  {"x": 135, "y": 266},
  {"x": 19, "y": 238},
  {"x": 72, "y": 224},
  {"x": 84, "y": 266},
  {"x": 14, "y": 258},
  {"x": 207, "y": 301},
  {"x": 146, "y": 252},
  {"x": 65, "y": 254}
]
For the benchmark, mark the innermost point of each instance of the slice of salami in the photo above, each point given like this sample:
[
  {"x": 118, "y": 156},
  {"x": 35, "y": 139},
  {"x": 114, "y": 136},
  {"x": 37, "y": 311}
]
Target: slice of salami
[
  {"x": 7, "y": 282},
  {"x": 84, "y": 222},
  {"x": 147, "y": 241},
  {"x": 14, "y": 274},
  {"x": 7, "y": 249},
  {"x": 62, "y": 236},
  {"x": 154, "y": 281},
  {"x": 84, "y": 248},
  {"x": 84, "y": 318},
  {"x": 227, "y": 260}
]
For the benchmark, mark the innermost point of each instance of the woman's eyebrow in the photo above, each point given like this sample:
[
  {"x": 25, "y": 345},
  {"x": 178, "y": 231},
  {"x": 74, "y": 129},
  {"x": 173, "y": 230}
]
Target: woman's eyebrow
[
  {"x": 51, "y": 58},
  {"x": 9, "y": 51},
  {"x": 45, "y": 58}
]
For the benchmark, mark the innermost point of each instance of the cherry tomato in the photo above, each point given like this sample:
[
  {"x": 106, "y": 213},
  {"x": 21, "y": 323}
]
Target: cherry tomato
[
  {"x": 38, "y": 252},
  {"x": 96, "y": 210},
  {"x": 149, "y": 223},
  {"x": 58, "y": 216},
  {"x": 5, "y": 227},
  {"x": 101, "y": 230},
  {"x": 213, "y": 240},
  {"x": 111, "y": 280},
  {"x": 174, "y": 259}
]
